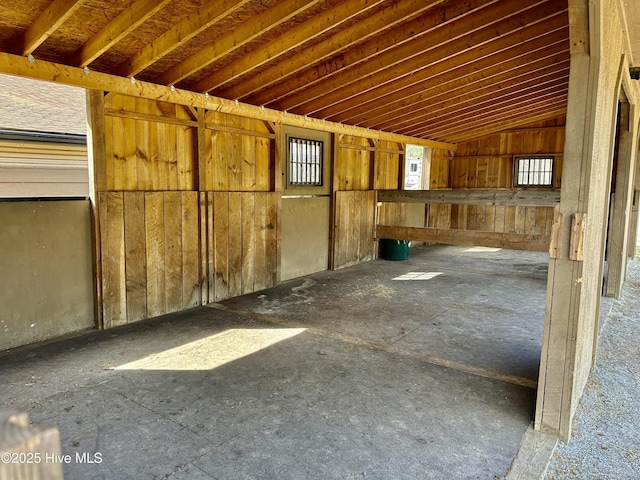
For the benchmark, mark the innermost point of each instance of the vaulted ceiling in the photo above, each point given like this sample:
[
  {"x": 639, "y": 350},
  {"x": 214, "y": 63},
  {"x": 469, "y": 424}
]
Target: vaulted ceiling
[{"x": 445, "y": 70}]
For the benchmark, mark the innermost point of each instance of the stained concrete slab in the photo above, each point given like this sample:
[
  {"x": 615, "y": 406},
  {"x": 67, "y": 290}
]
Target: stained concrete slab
[
  {"x": 337, "y": 375},
  {"x": 480, "y": 306}
]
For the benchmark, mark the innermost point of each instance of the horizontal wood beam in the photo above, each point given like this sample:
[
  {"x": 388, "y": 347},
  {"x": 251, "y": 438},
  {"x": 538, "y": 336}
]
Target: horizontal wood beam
[
  {"x": 54, "y": 15},
  {"x": 54, "y": 72},
  {"x": 515, "y": 241},
  {"x": 369, "y": 44},
  {"x": 543, "y": 108},
  {"x": 150, "y": 118},
  {"x": 492, "y": 128},
  {"x": 289, "y": 40},
  {"x": 234, "y": 39},
  {"x": 178, "y": 35},
  {"x": 524, "y": 44},
  {"x": 506, "y": 86},
  {"x": 130, "y": 19},
  {"x": 521, "y": 198},
  {"x": 411, "y": 56}
]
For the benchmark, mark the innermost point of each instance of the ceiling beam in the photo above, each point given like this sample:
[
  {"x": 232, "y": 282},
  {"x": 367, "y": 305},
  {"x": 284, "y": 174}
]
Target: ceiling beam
[
  {"x": 280, "y": 45},
  {"x": 128, "y": 20},
  {"x": 483, "y": 111},
  {"x": 501, "y": 76},
  {"x": 483, "y": 26},
  {"x": 485, "y": 116},
  {"x": 43, "y": 26},
  {"x": 178, "y": 35},
  {"x": 53, "y": 72},
  {"x": 258, "y": 25},
  {"x": 520, "y": 79},
  {"x": 340, "y": 41},
  {"x": 365, "y": 49},
  {"x": 438, "y": 78},
  {"x": 499, "y": 126},
  {"x": 501, "y": 119}
]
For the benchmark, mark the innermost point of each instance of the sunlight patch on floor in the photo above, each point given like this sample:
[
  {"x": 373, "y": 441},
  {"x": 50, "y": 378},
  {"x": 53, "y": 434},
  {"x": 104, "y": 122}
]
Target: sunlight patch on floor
[
  {"x": 418, "y": 276},
  {"x": 483, "y": 249},
  {"x": 214, "y": 351}
]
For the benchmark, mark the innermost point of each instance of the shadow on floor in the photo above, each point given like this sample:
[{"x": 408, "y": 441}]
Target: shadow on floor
[{"x": 415, "y": 369}]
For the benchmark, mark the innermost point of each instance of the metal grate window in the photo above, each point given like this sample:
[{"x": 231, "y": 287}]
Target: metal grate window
[
  {"x": 305, "y": 162},
  {"x": 533, "y": 171}
]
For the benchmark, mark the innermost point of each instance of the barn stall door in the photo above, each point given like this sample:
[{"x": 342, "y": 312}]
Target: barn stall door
[{"x": 306, "y": 202}]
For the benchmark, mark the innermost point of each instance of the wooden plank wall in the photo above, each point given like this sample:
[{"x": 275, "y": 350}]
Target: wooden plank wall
[
  {"x": 186, "y": 209},
  {"x": 188, "y": 205},
  {"x": 353, "y": 163},
  {"x": 354, "y": 227},
  {"x": 361, "y": 166},
  {"x": 151, "y": 146},
  {"x": 150, "y": 257},
  {"x": 487, "y": 163},
  {"x": 439, "y": 216},
  {"x": 238, "y": 250},
  {"x": 238, "y": 154}
]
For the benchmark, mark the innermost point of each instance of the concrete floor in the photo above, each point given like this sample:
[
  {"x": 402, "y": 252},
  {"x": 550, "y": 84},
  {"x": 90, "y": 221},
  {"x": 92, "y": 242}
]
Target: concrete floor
[{"x": 389, "y": 370}]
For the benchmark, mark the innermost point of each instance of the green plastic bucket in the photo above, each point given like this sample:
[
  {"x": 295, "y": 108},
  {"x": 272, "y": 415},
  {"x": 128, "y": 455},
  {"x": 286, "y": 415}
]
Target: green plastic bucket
[{"x": 394, "y": 249}]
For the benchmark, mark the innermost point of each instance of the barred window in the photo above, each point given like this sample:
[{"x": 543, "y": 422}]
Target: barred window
[
  {"x": 533, "y": 171},
  {"x": 305, "y": 162}
]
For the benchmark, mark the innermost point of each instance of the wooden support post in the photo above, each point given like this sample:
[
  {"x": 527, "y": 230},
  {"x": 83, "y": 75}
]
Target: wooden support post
[
  {"x": 33, "y": 452},
  {"x": 621, "y": 205},
  {"x": 555, "y": 232},
  {"x": 635, "y": 195},
  {"x": 557, "y": 384},
  {"x": 203, "y": 225},
  {"x": 576, "y": 242},
  {"x": 97, "y": 151},
  {"x": 574, "y": 282},
  {"x": 279, "y": 177}
]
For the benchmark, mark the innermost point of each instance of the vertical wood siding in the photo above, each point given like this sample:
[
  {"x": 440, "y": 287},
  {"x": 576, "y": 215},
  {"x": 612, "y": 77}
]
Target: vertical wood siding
[
  {"x": 487, "y": 163},
  {"x": 354, "y": 227},
  {"x": 151, "y": 146},
  {"x": 149, "y": 251},
  {"x": 238, "y": 248},
  {"x": 180, "y": 227}
]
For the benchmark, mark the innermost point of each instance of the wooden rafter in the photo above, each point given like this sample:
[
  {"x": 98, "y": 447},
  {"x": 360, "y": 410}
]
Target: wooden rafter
[
  {"x": 280, "y": 45},
  {"x": 401, "y": 66},
  {"x": 439, "y": 77},
  {"x": 546, "y": 107},
  {"x": 340, "y": 41},
  {"x": 178, "y": 35},
  {"x": 467, "y": 112},
  {"x": 509, "y": 83},
  {"x": 405, "y": 59},
  {"x": 467, "y": 109},
  {"x": 370, "y": 50},
  {"x": 531, "y": 117},
  {"x": 473, "y": 117},
  {"x": 257, "y": 26},
  {"x": 53, "y": 16},
  {"x": 114, "y": 31}
]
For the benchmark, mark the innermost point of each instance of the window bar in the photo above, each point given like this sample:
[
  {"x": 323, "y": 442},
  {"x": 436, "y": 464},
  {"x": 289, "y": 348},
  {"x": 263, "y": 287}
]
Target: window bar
[{"x": 303, "y": 162}]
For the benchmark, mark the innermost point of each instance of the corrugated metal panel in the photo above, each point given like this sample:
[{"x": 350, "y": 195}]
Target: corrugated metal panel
[{"x": 34, "y": 169}]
